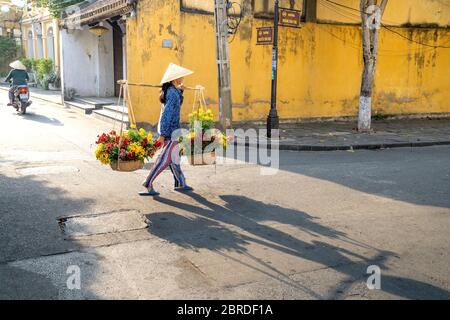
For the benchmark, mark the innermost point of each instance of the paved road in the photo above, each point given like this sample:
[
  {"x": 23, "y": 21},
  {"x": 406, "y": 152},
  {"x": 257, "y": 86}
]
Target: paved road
[{"x": 308, "y": 232}]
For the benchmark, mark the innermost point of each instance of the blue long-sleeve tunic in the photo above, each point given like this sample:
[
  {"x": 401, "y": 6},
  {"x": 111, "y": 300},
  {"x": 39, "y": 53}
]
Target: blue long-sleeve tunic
[
  {"x": 170, "y": 115},
  {"x": 18, "y": 77}
]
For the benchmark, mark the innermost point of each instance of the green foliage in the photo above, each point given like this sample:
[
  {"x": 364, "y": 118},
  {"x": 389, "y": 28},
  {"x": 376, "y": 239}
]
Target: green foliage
[
  {"x": 30, "y": 63},
  {"x": 56, "y": 7},
  {"x": 27, "y": 62},
  {"x": 44, "y": 66},
  {"x": 134, "y": 135},
  {"x": 9, "y": 50},
  {"x": 43, "y": 69}
]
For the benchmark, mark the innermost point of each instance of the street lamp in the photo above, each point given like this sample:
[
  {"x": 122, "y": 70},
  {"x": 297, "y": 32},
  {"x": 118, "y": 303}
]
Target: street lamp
[
  {"x": 98, "y": 30},
  {"x": 273, "y": 122}
]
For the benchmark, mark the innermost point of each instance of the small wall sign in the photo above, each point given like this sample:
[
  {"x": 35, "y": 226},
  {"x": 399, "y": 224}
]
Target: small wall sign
[
  {"x": 264, "y": 36},
  {"x": 290, "y": 18}
]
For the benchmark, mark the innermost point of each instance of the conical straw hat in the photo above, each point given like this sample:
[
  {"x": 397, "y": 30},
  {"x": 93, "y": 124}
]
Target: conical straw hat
[
  {"x": 17, "y": 65},
  {"x": 174, "y": 72}
]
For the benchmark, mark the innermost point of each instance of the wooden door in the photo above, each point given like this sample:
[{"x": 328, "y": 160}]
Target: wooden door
[{"x": 118, "y": 58}]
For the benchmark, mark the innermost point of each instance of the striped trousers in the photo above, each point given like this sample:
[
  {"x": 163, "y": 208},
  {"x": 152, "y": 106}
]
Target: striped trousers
[{"x": 169, "y": 157}]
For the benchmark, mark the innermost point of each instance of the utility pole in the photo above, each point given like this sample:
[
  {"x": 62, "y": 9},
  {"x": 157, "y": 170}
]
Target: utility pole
[
  {"x": 223, "y": 63},
  {"x": 273, "y": 122}
]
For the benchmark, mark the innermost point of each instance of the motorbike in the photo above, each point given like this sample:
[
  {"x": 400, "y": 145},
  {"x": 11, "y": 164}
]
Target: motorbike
[{"x": 21, "y": 99}]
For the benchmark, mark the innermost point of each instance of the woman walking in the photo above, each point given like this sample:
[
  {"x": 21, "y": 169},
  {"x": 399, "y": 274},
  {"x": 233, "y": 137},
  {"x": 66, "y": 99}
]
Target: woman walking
[{"x": 171, "y": 98}]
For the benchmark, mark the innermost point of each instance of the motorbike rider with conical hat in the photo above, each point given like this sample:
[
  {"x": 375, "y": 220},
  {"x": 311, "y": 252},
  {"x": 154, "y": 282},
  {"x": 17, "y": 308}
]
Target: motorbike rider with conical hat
[{"x": 18, "y": 76}]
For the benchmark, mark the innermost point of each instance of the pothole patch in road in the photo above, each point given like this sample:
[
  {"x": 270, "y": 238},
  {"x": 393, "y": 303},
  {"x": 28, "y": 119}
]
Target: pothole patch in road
[
  {"x": 47, "y": 170},
  {"x": 104, "y": 223}
]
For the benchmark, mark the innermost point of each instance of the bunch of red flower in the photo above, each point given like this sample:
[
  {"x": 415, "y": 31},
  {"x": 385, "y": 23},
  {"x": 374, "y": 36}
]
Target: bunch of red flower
[
  {"x": 105, "y": 138},
  {"x": 158, "y": 144}
]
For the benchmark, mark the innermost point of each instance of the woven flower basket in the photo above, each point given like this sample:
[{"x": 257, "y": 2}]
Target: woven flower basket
[
  {"x": 202, "y": 159},
  {"x": 127, "y": 166}
]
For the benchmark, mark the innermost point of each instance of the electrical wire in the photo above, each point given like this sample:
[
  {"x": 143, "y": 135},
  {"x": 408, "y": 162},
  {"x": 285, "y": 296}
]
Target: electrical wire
[
  {"x": 412, "y": 40},
  {"x": 358, "y": 15},
  {"x": 387, "y": 28},
  {"x": 357, "y": 18},
  {"x": 234, "y": 19}
]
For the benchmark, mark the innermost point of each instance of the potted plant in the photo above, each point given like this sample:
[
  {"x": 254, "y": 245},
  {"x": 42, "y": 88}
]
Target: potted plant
[
  {"x": 54, "y": 81},
  {"x": 43, "y": 67},
  {"x": 45, "y": 82}
]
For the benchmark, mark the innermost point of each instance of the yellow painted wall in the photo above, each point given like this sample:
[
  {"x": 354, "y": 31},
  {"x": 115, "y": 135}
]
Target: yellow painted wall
[{"x": 320, "y": 64}]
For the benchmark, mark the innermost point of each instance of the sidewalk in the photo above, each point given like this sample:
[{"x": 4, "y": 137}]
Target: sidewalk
[
  {"x": 335, "y": 135},
  {"x": 36, "y": 93},
  {"x": 342, "y": 135}
]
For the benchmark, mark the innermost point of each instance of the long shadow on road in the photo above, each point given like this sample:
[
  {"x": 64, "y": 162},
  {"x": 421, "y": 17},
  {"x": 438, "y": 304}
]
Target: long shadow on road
[
  {"x": 418, "y": 176},
  {"x": 34, "y": 117},
  {"x": 209, "y": 229},
  {"x": 30, "y": 238}
]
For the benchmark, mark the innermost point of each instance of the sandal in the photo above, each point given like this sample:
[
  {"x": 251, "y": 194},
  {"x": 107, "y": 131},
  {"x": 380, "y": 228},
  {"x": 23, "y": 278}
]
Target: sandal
[{"x": 151, "y": 193}]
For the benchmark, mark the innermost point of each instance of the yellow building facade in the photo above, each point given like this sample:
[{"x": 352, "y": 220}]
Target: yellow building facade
[
  {"x": 40, "y": 34},
  {"x": 320, "y": 64}
]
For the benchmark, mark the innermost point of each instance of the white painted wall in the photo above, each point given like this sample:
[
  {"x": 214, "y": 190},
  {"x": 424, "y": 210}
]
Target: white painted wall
[
  {"x": 105, "y": 67},
  {"x": 88, "y": 63}
]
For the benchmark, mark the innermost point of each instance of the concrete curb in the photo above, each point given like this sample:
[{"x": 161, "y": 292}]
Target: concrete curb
[{"x": 376, "y": 146}]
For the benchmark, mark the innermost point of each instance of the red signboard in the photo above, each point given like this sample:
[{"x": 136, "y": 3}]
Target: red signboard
[
  {"x": 290, "y": 18},
  {"x": 265, "y": 35}
]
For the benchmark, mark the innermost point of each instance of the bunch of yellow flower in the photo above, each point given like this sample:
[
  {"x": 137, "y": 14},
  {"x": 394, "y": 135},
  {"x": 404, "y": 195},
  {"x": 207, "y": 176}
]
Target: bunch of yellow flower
[
  {"x": 198, "y": 139},
  {"x": 100, "y": 149},
  {"x": 101, "y": 154},
  {"x": 222, "y": 139},
  {"x": 205, "y": 117},
  {"x": 138, "y": 150},
  {"x": 142, "y": 133}
]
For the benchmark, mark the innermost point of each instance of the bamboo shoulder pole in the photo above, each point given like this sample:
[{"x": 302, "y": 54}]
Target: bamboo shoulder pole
[
  {"x": 126, "y": 82},
  {"x": 124, "y": 88}
]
